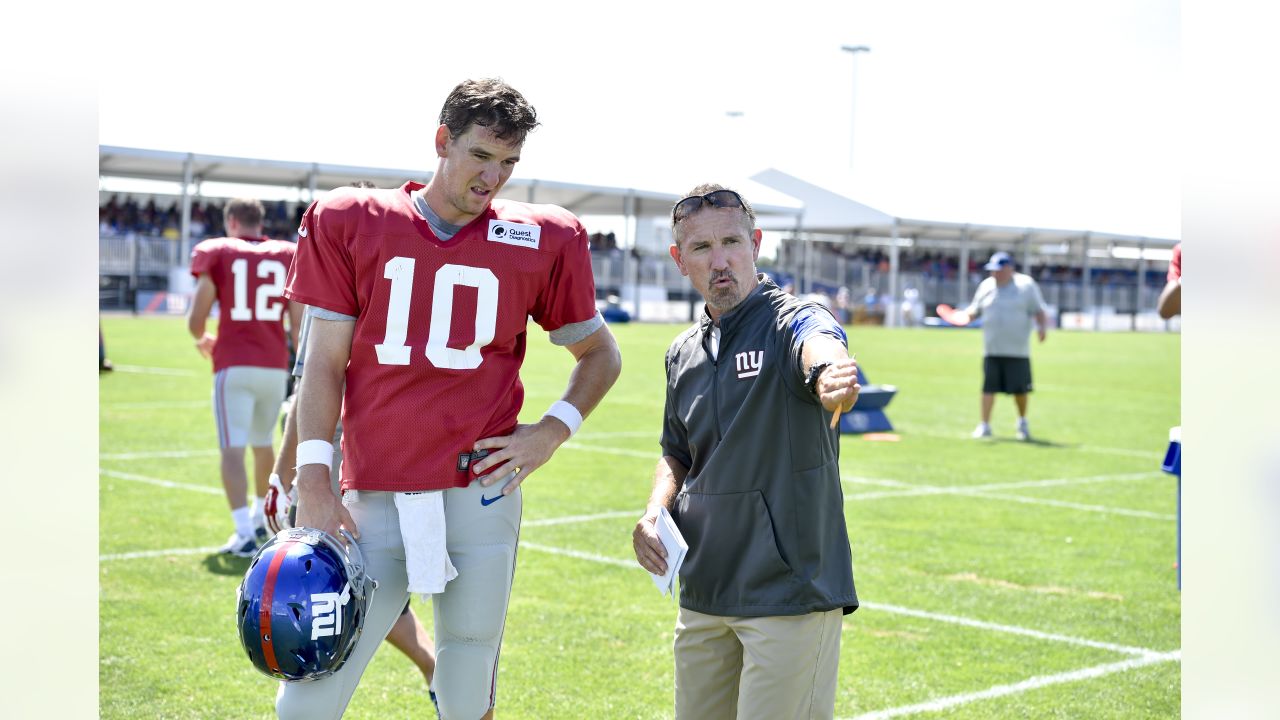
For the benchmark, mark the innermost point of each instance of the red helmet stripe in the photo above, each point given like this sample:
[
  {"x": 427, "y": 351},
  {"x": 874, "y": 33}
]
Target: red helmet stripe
[{"x": 268, "y": 596}]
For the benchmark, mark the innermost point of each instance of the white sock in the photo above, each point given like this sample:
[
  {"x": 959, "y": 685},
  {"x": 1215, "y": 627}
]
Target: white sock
[{"x": 240, "y": 516}]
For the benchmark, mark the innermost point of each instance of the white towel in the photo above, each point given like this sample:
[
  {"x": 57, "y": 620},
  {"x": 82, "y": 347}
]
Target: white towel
[{"x": 425, "y": 556}]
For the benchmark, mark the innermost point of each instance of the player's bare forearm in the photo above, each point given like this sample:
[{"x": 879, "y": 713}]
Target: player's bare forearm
[
  {"x": 201, "y": 305},
  {"x": 320, "y": 397},
  {"x": 1170, "y": 302},
  {"x": 288, "y": 456},
  {"x": 295, "y": 321},
  {"x": 599, "y": 362}
]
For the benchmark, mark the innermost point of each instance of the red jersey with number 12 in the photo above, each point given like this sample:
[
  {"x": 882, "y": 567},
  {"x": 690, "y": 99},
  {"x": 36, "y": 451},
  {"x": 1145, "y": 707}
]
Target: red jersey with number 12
[
  {"x": 250, "y": 275},
  {"x": 440, "y": 326}
]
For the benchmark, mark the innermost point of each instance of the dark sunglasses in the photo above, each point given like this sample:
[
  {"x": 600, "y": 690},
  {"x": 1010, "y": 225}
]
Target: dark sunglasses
[{"x": 718, "y": 198}]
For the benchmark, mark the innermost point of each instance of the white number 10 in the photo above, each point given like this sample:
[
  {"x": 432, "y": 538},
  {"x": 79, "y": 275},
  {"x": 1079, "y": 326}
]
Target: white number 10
[{"x": 393, "y": 350}]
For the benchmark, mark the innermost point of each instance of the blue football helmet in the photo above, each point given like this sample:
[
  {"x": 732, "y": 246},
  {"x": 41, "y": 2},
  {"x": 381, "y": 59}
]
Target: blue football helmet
[{"x": 302, "y": 603}]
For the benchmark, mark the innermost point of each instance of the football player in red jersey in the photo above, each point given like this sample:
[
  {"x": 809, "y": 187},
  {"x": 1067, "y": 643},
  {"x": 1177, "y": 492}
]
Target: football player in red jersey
[
  {"x": 420, "y": 298},
  {"x": 245, "y": 273}
]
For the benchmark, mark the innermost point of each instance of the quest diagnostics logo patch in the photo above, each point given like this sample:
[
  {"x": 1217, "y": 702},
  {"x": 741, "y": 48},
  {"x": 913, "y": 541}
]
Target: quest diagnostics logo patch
[{"x": 517, "y": 234}]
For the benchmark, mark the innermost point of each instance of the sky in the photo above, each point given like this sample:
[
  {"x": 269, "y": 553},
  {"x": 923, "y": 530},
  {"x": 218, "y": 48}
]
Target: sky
[{"x": 1022, "y": 113}]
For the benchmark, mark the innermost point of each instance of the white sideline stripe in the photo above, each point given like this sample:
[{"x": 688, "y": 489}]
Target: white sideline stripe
[
  {"x": 153, "y": 370},
  {"x": 1075, "y": 506},
  {"x": 1024, "y": 686},
  {"x": 630, "y": 564},
  {"x": 883, "y": 482},
  {"x": 1010, "y": 629},
  {"x": 583, "y": 518},
  {"x": 157, "y": 553},
  {"x": 650, "y": 455},
  {"x": 157, "y": 405},
  {"x": 911, "y": 490},
  {"x": 156, "y": 454},
  {"x": 1085, "y": 448},
  {"x": 158, "y": 482},
  {"x": 620, "y": 434}
]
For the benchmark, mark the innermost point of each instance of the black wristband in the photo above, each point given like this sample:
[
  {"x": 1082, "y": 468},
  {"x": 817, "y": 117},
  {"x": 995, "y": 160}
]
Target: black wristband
[{"x": 815, "y": 370}]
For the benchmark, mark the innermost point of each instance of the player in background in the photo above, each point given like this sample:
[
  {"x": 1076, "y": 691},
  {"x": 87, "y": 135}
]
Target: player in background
[
  {"x": 420, "y": 297},
  {"x": 407, "y": 634},
  {"x": 245, "y": 273}
]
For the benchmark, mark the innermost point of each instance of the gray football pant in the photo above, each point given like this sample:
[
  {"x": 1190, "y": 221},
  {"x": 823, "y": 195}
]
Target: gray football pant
[{"x": 469, "y": 615}]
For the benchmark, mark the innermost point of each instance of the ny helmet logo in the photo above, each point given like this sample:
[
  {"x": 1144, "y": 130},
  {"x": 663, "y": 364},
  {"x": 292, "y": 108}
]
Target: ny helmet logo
[
  {"x": 748, "y": 363},
  {"x": 326, "y": 615}
]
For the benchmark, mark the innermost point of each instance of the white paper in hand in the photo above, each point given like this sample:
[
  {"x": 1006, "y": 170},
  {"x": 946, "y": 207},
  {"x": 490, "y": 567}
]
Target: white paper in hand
[{"x": 676, "y": 547}]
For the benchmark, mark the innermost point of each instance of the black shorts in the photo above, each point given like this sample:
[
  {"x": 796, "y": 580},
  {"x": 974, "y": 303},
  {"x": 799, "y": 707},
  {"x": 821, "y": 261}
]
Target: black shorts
[{"x": 1001, "y": 374}]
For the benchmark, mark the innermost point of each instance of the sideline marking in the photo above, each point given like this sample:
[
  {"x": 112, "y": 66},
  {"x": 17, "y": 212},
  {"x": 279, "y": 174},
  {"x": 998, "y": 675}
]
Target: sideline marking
[
  {"x": 158, "y": 553},
  {"x": 155, "y": 370},
  {"x": 1010, "y": 629},
  {"x": 157, "y": 405},
  {"x": 157, "y": 454},
  {"x": 582, "y": 518},
  {"x": 1034, "y": 683},
  {"x": 160, "y": 483},
  {"x": 631, "y": 565}
]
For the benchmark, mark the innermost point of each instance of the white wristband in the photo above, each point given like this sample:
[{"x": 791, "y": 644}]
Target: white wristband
[
  {"x": 315, "y": 452},
  {"x": 565, "y": 413}
]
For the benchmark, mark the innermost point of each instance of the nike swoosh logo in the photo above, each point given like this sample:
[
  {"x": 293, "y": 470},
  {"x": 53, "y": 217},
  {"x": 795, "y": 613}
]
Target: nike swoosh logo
[
  {"x": 489, "y": 501},
  {"x": 302, "y": 232}
]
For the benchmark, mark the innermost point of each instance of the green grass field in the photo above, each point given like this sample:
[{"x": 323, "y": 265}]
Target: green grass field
[{"x": 999, "y": 579}]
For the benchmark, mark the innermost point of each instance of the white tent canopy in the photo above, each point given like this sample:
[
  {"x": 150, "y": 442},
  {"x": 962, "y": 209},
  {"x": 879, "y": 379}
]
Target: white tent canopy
[{"x": 843, "y": 220}]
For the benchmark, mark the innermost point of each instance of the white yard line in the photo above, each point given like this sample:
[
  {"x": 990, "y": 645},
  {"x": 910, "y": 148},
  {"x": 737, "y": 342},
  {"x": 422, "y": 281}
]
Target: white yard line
[
  {"x": 1010, "y": 629},
  {"x": 583, "y": 518},
  {"x": 157, "y": 454},
  {"x": 160, "y": 483},
  {"x": 158, "y": 405},
  {"x": 984, "y": 491},
  {"x": 1156, "y": 454},
  {"x": 155, "y": 370},
  {"x": 1106, "y": 510},
  {"x": 158, "y": 553},
  {"x": 630, "y": 564},
  {"x": 1027, "y": 685},
  {"x": 652, "y": 455}
]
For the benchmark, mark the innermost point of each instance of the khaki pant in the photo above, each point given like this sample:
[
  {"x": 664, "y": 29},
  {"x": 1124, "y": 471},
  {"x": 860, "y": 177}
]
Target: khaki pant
[{"x": 757, "y": 667}]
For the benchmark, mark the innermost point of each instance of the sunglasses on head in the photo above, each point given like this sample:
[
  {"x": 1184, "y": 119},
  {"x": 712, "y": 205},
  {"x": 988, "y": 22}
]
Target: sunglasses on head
[{"x": 717, "y": 198}]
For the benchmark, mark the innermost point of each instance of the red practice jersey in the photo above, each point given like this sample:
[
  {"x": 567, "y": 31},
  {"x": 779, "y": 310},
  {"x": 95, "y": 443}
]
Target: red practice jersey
[
  {"x": 440, "y": 326},
  {"x": 250, "y": 276}
]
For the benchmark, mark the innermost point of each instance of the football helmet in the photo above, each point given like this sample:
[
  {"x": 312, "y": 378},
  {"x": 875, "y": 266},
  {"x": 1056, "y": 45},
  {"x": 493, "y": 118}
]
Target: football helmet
[{"x": 302, "y": 604}]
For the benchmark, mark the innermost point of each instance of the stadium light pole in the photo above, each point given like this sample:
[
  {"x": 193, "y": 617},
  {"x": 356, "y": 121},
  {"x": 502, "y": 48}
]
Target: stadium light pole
[{"x": 853, "y": 98}]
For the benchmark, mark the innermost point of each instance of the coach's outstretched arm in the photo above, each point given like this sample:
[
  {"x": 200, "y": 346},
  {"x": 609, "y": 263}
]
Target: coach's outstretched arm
[
  {"x": 599, "y": 362},
  {"x": 319, "y": 404}
]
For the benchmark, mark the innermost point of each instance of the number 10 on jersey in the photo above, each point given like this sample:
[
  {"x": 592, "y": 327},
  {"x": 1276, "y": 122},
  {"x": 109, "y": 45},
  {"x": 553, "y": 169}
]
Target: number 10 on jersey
[{"x": 393, "y": 350}]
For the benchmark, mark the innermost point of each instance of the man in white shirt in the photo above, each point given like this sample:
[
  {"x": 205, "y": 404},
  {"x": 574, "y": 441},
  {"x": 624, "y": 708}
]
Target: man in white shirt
[{"x": 1009, "y": 301}]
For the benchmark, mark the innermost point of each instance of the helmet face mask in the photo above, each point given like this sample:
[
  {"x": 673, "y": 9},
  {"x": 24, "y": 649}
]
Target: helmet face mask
[{"x": 302, "y": 603}]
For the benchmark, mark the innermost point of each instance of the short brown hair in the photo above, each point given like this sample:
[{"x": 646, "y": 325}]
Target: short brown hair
[
  {"x": 489, "y": 103},
  {"x": 247, "y": 211}
]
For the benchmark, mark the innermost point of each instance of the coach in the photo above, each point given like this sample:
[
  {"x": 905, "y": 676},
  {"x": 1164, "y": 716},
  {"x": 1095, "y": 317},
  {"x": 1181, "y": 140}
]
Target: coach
[
  {"x": 750, "y": 473},
  {"x": 1008, "y": 301}
]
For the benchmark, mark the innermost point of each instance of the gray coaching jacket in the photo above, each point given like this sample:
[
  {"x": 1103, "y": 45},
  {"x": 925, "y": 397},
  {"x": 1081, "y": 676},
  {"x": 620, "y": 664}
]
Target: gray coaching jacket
[{"x": 761, "y": 508}]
